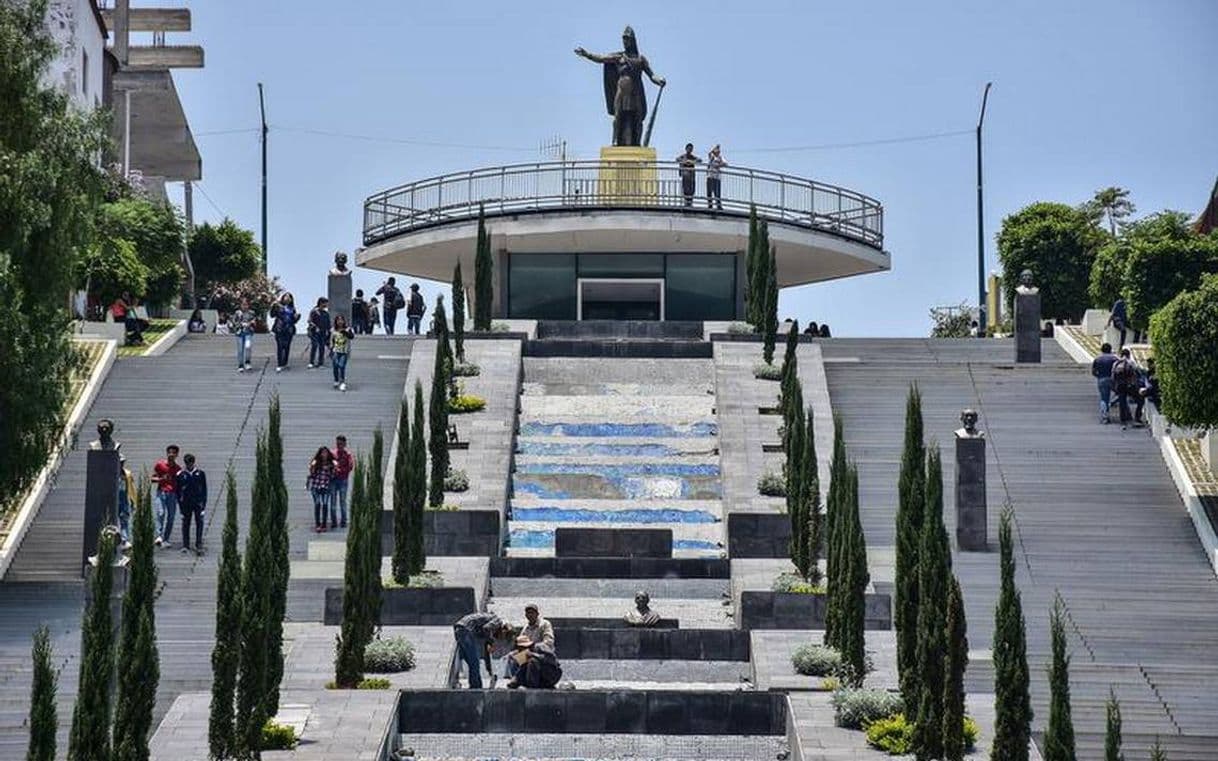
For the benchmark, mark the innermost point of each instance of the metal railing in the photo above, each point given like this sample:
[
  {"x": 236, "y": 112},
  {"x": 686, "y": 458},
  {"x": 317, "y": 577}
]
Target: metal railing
[{"x": 558, "y": 185}]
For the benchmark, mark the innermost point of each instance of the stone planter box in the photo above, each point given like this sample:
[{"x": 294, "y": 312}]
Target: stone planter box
[
  {"x": 607, "y": 623},
  {"x": 611, "y": 568},
  {"x": 460, "y": 533},
  {"x": 410, "y": 607},
  {"x": 652, "y": 644},
  {"x": 758, "y": 535},
  {"x": 658, "y": 712},
  {"x": 613, "y": 542},
  {"x": 787, "y": 610}
]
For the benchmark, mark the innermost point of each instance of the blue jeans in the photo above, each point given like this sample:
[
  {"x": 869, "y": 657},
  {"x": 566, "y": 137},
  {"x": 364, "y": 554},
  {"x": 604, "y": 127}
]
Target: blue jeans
[
  {"x": 317, "y": 350},
  {"x": 391, "y": 317},
  {"x": 321, "y": 507},
  {"x": 245, "y": 344},
  {"x": 166, "y": 509},
  {"x": 124, "y": 516},
  {"x": 338, "y": 497},
  {"x": 413, "y": 322},
  {"x": 339, "y": 361},
  {"x": 467, "y": 651},
  {"x": 1105, "y": 387}
]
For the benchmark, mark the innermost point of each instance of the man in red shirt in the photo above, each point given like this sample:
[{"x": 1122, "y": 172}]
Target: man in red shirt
[
  {"x": 343, "y": 465},
  {"x": 164, "y": 478}
]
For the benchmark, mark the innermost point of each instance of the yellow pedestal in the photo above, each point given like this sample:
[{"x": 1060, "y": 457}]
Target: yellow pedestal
[
  {"x": 993, "y": 304},
  {"x": 628, "y": 176}
]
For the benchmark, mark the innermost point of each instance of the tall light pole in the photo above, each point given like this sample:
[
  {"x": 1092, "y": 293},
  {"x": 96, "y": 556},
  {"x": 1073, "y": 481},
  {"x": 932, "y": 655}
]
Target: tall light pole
[
  {"x": 262, "y": 109},
  {"x": 980, "y": 223}
]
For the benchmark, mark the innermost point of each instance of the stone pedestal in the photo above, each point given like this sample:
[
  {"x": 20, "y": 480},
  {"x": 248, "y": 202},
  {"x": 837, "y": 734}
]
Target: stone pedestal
[
  {"x": 339, "y": 293},
  {"x": 1027, "y": 325},
  {"x": 117, "y": 590},
  {"x": 102, "y": 471},
  {"x": 627, "y": 175},
  {"x": 970, "y": 493},
  {"x": 1094, "y": 321},
  {"x": 1209, "y": 450}
]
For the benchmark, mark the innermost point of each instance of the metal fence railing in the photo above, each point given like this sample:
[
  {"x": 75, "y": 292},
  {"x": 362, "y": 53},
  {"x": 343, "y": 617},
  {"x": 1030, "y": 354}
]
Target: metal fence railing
[{"x": 561, "y": 185}]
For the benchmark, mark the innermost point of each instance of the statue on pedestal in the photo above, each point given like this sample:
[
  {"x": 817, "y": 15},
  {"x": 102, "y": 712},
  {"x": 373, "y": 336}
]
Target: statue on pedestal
[
  {"x": 340, "y": 264},
  {"x": 642, "y": 615},
  {"x": 968, "y": 419},
  {"x": 625, "y": 98},
  {"x": 1025, "y": 283},
  {"x": 105, "y": 436}
]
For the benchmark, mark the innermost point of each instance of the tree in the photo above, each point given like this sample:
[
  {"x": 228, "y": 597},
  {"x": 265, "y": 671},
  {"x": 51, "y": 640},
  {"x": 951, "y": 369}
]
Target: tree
[
  {"x": 1156, "y": 751},
  {"x": 371, "y": 542},
  {"x": 459, "y": 313},
  {"x": 1112, "y": 729},
  {"x": 790, "y": 395},
  {"x": 795, "y": 498},
  {"x": 418, "y": 491},
  {"x": 810, "y": 484},
  {"x": 852, "y": 603},
  {"x": 1184, "y": 334},
  {"x": 833, "y": 521},
  {"x": 279, "y": 564},
  {"x": 1058, "y": 244},
  {"x": 139, "y": 669},
  {"x": 224, "y": 253},
  {"x": 484, "y": 266},
  {"x": 112, "y": 268},
  {"x": 751, "y": 302},
  {"x": 951, "y": 321},
  {"x": 44, "y": 720},
  {"x": 911, "y": 494},
  {"x": 770, "y": 318},
  {"x": 757, "y": 279},
  {"x": 1059, "y": 734},
  {"x": 954, "y": 664},
  {"x": 1012, "y": 703},
  {"x": 438, "y": 409},
  {"x": 256, "y": 612},
  {"x": 934, "y": 576},
  {"x": 1155, "y": 272},
  {"x": 226, "y": 654},
  {"x": 403, "y": 486},
  {"x": 157, "y": 231},
  {"x": 1112, "y": 205},
  {"x": 357, "y": 625},
  {"x": 90, "y": 736},
  {"x": 50, "y": 187},
  {"x": 1108, "y": 271}
]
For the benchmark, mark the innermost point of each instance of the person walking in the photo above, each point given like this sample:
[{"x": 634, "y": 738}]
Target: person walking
[
  {"x": 241, "y": 325},
  {"x": 321, "y": 470},
  {"x": 688, "y": 162},
  {"x": 714, "y": 187},
  {"x": 1125, "y": 382},
  {"x": 414, "y": 310},
  {"x": 1101, "y": 370},
  {"x": 344, "y": 463},
  {"x": 374, "y": 315},
  {"x": 476, "y": 635},
  {"x": 283, "y": 324},
  {"x": 359, "y": 314},
  {"x": 340, "y": 351},
  {"x": 319, "y": 333},
  {"x": 394, "y": 300},
  {"x": 192, "y": 498},
  {"x": 165, "y": 479},
  {"x": 126, "y": 493},
  {"x": 1119, "y": 319},
  {"x": 1150, "y": 385}
]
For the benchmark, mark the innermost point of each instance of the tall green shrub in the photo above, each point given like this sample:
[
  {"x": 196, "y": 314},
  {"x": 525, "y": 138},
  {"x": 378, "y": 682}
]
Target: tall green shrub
[
  {"x": 44, "y": 717},
  {"x": 796, "y": 497},
  {"x": 371, "y": 540},
  {"x": 459, "y": 312},
  {"x": 438, "y": 410},
  {"x": 809, "y": 483},
  {"x": 357, "y": 625},
  {"x": 1012, "y": 703},
  {"x": 484, "y": 266},
  {"x": 911, "y": 493},
  {"x": 1058, "y": 243},
  {"x": 278, "y": 564},
  {"x": 750, "y": 270},
  {"x": 1184, "y": 334},
  {"x": 1112, "y": 729},
  {"x": 90, "y": 736},
  {"x": 226, "y": 654},
  {"x": 1059, "y": 734},
  {"x": 418, "y": 492},
  {"x": 403, "y": 485},
  {"x": 257, "y": 582},
  {"x": 954, "y": 664},
  {"x": 851, "y": 620},
  {"x": 759, "y": 276},
  {"x": 934, "y": 576},
  {"x": 770, "y": 318},
  {"x": 833, "y": 523},
  {"x": 138, "y": 657}
]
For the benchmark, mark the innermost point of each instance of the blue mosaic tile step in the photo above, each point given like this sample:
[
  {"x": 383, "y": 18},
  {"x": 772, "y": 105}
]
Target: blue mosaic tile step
[
  {"x": 650, "y": 516},
  {"x": 609, "y": 430},
  {"x": 560, "y": 449},
  {"x": 541, "y": 539},
  {"x": 595, "y": 485},
  {"x": 618, "y": 470}
]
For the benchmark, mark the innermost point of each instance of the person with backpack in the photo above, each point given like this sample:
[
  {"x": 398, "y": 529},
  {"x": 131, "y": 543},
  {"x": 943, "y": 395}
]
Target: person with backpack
[
  {"x": 283, "y": 324},
  {"x": 340, "y": 351},
  {"x": 1101, "y": 370},
  {"x": 394, "y": 300},
  {"x": 1119, "y": 319},
  {"x": 415, "y": 310},
  {"x": 359, "y": 314},
  {"x": 1125, "y": 381},
  {"x": 319, "y": 333}
]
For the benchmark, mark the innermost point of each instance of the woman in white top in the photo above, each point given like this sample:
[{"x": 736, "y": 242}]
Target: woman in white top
[{"x": 714, "y": 163}]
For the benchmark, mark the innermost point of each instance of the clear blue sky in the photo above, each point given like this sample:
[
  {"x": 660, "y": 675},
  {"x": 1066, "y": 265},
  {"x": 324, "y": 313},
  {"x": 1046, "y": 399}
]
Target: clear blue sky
[{"x": 1086, "y": 94}]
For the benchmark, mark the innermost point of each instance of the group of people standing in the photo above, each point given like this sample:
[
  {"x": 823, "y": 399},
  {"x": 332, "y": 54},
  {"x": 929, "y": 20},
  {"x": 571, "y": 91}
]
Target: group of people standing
[
  {"x": 395, "y": 301},
  {"x": 176, "y": 489},
  {"x": 329, "y": 472},
  {"x": 1122, "y": 376},
  {"x": 687, "y": 164}
]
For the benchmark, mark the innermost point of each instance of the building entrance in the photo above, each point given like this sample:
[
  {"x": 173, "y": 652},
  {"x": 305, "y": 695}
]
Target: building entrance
[{"x": 620, "y": 299}]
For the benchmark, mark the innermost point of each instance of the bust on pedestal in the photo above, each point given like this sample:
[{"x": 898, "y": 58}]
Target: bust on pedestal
[
  {"x": 339, "y": 290},
  {"x": 102, "y": 471},
  {"x": 1027, "y": 319},
  {"x": 971, "y": 522}
]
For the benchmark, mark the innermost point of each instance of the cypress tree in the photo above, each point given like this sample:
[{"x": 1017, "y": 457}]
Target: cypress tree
[
  {"x": 370, "y": 541},
  {"x": 1112, "y": 729},
  {"x": 403, "y": 485},
  {"x": 790, "y": 364},
  {"x": 1156, "y": 751},
  {"x": 484, "y": 266},
  {"x": 770, "y": 318},
  {"x": 851, "y": 617},
  {"x": 795, "y": 499},
  {"x": 139, "y": 669},
  {"x": 934, "y": 576},
  {"x": 418, "y": 494},
  {"x": 44, "y": 719},
  {"x": 226, "y": 655},
  {"x": 278, "y": 565},
  {"x": 833, "y": 554},
  {"x": 810, "y": 482},
  {"x": 438, "y": 410},
  {"x": 954, "y": 664},
  {"x": 750, "y": 271},
  {"x": 349, "y": 660},
  {"x": 1059, "y": 734},
  {"x": 911, "y": 489},
  {"x": 256, "y": 612},
  {"x": 760, "y": 275},
  {"x": 1012, "y": 703},
  {"x": 459, "y": 312},
  {"x": 90, "y": 736},
  {"x": 375, "y": 487}
]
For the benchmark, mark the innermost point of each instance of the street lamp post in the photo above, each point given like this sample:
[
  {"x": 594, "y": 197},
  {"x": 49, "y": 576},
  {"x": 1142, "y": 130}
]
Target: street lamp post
[
  {"x": 981, "y": 310},
  {"x": 262, "y": 110}
]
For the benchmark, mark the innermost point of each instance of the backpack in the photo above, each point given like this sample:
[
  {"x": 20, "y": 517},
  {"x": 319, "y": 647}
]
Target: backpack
[
  {"x": 417, "y": 307},
  {"x": 1124, "y": 373},
  {"x": 399, "y": 301}
]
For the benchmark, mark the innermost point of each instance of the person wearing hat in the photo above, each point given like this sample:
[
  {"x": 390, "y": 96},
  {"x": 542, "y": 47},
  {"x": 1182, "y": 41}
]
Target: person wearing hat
[
  {"x": 537, "y": 666},
  {"x": 538, "y": 629},
  {"x": 126, "y": 491}
]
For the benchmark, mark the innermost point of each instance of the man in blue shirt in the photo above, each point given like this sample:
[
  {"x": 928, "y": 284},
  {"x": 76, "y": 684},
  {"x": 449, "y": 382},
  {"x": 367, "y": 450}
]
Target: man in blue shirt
[
  {"x": 192, "y": 501},
  {"x": 1101, "y": 370}
]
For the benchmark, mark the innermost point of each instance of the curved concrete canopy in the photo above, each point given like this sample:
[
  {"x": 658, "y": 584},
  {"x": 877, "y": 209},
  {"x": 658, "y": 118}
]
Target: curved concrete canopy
[{"x": 804, "y": 255}]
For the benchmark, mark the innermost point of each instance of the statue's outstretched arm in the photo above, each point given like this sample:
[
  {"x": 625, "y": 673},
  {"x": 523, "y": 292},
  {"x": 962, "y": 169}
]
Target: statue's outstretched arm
[
  {"x": 594, "y": 57},
  {"x": 657, "y": 81}
]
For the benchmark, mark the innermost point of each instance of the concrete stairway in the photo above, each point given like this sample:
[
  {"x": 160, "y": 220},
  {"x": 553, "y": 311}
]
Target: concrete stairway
[{"x": 616, "y": 338}]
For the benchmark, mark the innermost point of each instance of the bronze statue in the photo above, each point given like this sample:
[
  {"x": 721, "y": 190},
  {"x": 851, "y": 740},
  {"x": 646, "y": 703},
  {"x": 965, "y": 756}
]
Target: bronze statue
[
  {"x": 1026, "y": 283},
  {"x": 625, "y": 97},
  {"x": 105, "y": 436},
  {"x": 340, "y": 264},
  {"x": 642, "y": 615},
  {"x": 968, "y": 421}
]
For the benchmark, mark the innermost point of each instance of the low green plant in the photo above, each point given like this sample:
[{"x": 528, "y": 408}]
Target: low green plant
[
  {"x": 466, "y": 370},
  {"x": 466, "y": 403},
  {"x": 740, "y": 329},
  {"x": 444, "y": 508},
  {"x": 891, "y": 734},
  {"x": 500, "y": 327},
  {"x": 763, "y": 371},
  {"x": 772, "y": 484},
  {"x": 971, "y": 732},
  {"x": 367, "y": 683},
  {"x": 425, "y": 580},
  {"x": 456, "y": 480},
  {"x": 389, "y": 656},
  {"x": 816, "y": 660},
  {"x": 278, "y": 736},
  {"x": 788, "y": 581},
  {"x": 856, "y": 707},
  {"x": 831, "y": 684}
]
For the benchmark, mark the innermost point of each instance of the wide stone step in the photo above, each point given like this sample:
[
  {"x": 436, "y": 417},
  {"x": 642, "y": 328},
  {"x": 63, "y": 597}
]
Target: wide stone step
[
  {"x": 619, "y": 329},
  {"x": 622, "y": 589},
  {"x": 593, "y": 387},
  {"x": 693, "y": 613},
  {"x": 562, "y": 482},
  {"x": 599, "y": 429},
  {"x": 634, "y": 348},
  {"x": 620, "y": 409},
  {"x": 588, "y": 747},
  {"x": 563, "y": 449},
  {"x": 706, "y": 538}
]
